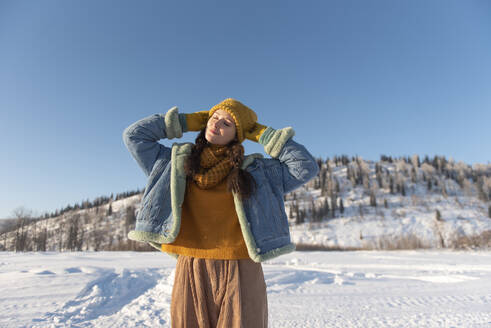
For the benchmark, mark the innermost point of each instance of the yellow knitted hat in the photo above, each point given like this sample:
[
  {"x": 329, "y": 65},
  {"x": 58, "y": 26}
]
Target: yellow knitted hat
[{"x": 244, "y": 117}]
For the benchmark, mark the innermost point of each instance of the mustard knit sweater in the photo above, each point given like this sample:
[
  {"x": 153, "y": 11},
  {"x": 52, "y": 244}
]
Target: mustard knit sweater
[{"x": 209, "y": 225}]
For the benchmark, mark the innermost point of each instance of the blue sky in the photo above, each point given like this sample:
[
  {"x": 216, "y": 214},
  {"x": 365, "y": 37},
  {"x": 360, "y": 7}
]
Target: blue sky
[{"x": 351, "y": 77}]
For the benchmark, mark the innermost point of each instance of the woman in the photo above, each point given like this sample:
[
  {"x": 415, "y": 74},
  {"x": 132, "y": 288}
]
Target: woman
[{"x": 218, "y": 212}]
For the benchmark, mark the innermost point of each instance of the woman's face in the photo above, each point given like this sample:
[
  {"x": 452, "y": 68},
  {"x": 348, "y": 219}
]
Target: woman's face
[{"x": 220, "y": 129}]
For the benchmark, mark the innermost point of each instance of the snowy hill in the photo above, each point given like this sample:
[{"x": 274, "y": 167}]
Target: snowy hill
[
  {"x": 100, "y": 228},
  {"x": 430, "y": 210},
  {"x": 351, "y": 204}
]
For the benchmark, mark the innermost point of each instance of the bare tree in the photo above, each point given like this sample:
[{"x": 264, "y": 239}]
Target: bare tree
[
  {"x": 42, "y": 238},
  {"x": 97, "y": 235},
  {"x": 5, "y": 240},
  {"x": 415, "y": 161},
  {"x": 467, "y": 188},
  {"x": 34, "y": 235},
  {"x": 73, "y": 242},
  {"x": 22, "y": 216},
  {"x": 130, "y": 219},
  {"x": 60, "y": 233}
]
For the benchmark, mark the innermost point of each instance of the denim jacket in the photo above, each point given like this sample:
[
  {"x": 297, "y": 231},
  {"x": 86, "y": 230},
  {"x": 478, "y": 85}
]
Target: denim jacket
[{"x": 262, "y": 217}]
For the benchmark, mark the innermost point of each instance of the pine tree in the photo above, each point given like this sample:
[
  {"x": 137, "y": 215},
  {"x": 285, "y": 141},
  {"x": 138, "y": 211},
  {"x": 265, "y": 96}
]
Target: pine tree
[
  {"x": 333, "y": 205},
  {"x": 373, "y": 201},
  {"x": 385, "y": 203},
  {"x": 379, "y": 179},
  {"x": 438, "y": 216},
  {"x": 298, "y": 214},
  {"x": 325, "y": 208},
  {"x": 413, "y": 175},
  {"x": 130, "y": 218},
  {"x": 302, "y": 216},
  {"x": 489, "y": 211},
  {"x": 323, "y": 186},
  {"x": 480, "y": 189},
  {"x": 444, "y": 190},
  {"x": 314, "y": 212},
  {"x": 341, "y": 206}
]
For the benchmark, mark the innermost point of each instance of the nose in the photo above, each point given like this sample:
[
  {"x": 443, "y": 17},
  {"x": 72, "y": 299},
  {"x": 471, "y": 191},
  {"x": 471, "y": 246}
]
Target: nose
[
  {"x": 217, "y": 124},
  {"x": 214, "y": 127}
]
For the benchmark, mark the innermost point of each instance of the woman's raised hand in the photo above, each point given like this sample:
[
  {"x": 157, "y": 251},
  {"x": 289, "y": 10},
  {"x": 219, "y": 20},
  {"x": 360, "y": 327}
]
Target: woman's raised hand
[
  {"x": 196, "y": 121},
  {"x": 255, "y": 132}
]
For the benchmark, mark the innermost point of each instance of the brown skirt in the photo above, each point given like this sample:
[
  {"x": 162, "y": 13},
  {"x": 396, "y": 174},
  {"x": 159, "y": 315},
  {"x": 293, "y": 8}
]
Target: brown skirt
[{"x": 211, "y": 293}]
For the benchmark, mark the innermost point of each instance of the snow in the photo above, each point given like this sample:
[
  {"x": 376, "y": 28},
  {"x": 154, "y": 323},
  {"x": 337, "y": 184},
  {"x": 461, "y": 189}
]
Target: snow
[{"x": 418, "y": 288}]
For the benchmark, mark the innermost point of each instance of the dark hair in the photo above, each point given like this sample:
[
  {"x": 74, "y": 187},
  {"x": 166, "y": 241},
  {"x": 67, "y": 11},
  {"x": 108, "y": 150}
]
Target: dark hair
[{"x": 238, "y": 180}]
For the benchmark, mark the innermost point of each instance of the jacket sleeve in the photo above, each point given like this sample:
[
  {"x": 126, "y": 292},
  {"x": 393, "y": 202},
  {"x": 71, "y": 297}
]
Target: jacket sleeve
[
  {"x": 294, "y": 163},
  {"x": 141, "y": 138}
]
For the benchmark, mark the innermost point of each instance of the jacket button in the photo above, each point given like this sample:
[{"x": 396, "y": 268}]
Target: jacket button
[{"x": 258, "y": 249}]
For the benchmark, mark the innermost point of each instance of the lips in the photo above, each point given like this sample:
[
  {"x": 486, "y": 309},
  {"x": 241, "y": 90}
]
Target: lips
[{"x": 214, "y": 132}]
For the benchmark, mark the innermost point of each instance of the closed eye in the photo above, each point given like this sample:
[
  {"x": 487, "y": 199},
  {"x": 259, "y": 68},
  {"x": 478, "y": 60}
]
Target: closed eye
[{"x": 214, "y": 118}]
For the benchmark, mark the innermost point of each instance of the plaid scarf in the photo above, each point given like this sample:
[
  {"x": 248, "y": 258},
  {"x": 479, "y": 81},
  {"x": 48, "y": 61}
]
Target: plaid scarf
[{"x": 215, "y": 166}]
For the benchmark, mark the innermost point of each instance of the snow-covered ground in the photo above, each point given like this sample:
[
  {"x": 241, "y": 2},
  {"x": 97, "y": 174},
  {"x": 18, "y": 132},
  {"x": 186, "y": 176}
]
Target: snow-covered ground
[{"x": 305, "y": 289}]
